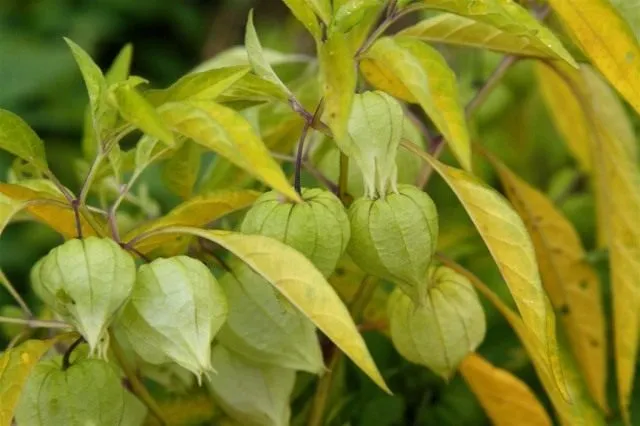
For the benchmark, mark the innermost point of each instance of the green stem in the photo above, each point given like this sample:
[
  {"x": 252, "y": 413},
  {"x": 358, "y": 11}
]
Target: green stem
[
  {"x": 86, "y": 185},
  {"x": 12, "y": 291},
  {"x": 136, "y": 385},
  {"x": 321, "y": 397},
  {"x": 343, "y": 181},
  {"x": 34, "y": 323}
]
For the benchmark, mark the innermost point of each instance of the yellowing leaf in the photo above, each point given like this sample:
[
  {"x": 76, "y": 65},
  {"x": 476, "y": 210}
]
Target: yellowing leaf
[
  {"x": 226, "y": 132},
  {"x": 197, "y": 212},
  {"x": 180, "y": 171},
  {"x": 302, "y": 284},
  {"x": 19, "y": 139},
  {"x": 570, "y": 281},
  {"x": 510, "y": 245},
  {"x": 47, "y": 208},
  {"x": 204, "y": 85},
  {"x": 119, "y": 70},
  {"x": 15, "y": 366},
  {"x": 412, "y": 67},
  {"x": 607, "y": 39},
  {"x": 322, "y": 8},
  {"x": 505, "y": 398},
  {"x": 305, "y": 15},
  {"x": 138, "y": 111},
  {"x": 459, "y": 30},
  {"x": 567, "y": 114},
  {"x": 339, "y": 77},
  {"x": 258, "y": 62}
]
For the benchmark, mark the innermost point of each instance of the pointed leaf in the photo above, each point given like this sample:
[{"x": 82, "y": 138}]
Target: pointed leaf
[
  {"x": 510, "y": 245},
  {"x": 138, "y": 111},
  {"x": 461, "y": 31},
  {"x": 15, "y": 366},
  {"x": 304, "y": 286},
  {"x": 351, "y": 13},
  {"x": 415, "y": 72},
  {"x": 93, "y": 77},
  {"x": 251, "y": 395},
  {"x": 258, "y": 62},
  {"x": 226, "y": 132},
  {"x": 505, "y": 398},
  {"x": 322, "y": 8},
  {"x": 20, "y": 140},
  {"x": 607, "y": 39},
  {"x": 198, "y": 212},
  {"x": 180, "y": 171},
  {"x": 121, "y": 66},
  {"x": 204, "y": 85},
  {"x": 508, "y": 16},
  {"x": 305, "y": 15},
  {"x": 570, "y": 281}
]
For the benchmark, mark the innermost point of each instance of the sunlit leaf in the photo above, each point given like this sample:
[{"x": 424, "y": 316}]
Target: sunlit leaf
[
  {"x": 607, "y": 39},
  {"x": 303, "y": 13},
  {"x": 258, "y": 62},
  {"x": 351, "y": 13},
  {"x": 510, "y": 245},
  {"x": 92, "y": 75},
  {"x": 226, "y": 132},
  {"x": 508, "y": 16},
  {"x": 322, "y": 8},
  {"x": 265, "y": 328},
  {"x": 461, "y": 31},
  {"x": 339, "y": 77},
  {"x": 138, "y": 111},
  {"x": 506, "y": 399},
  {"x": 569, "y": 279},
  {"x": 119, "y": 70},
  {"x": 15, "y": 366},
  {"x": 180, "y": 171},
  {"x": 19, "y": 139},
  {"x": 415, "y": 72},
  {"x": 252, "y": 395},
  {"x": 297, "y": 279}
]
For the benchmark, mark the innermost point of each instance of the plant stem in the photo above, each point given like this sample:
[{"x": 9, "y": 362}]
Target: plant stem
[
  {"x": 66, "y": 363},
  {"x": 343, "y": 180},
  {"x": 356, "y": 308},
  {"x": 136, "y": 385},
  {"x": 14, "y": 293},
  {"x": 300, "y": 157},
  {"x": 86, "y": 185},
  {"x": 34, "y": 323},
  {"x": 490, "y": 84},
  {"x": 311, "y": 169}
]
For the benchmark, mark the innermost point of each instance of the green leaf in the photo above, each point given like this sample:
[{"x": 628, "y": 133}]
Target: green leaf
[
  {"x": 204, "y": 85},
  {"x": 237, "y": 56},
  {"x": 138, "y": 111},
  {"x": 339, "y": 77},
  {"x": 411, "y": 70},
  {"x": 510, "y": 246},
  {"x": 175, "y": 311},
  {"x": 305, "y": 15},
  {"x": 263, "y": 327},
  {"x": 258, "y": 62},
  {"x": 570, "y": 281},
  {"x": 226, "y": 132},
  {"x": 88, "y": 392},
  {"x": 20, "y": 140},
  {"x": 15, "y": 367},
  {"x": 441, "y": 329},
  {"x": 180, "y": 171},
  {"x": 121, "y": 66},
  {"x": 253, "y": 89},
  {"x": 197, "y": 212},
  {"x": 297, "y": 279},
  {"x": 608, "y": 41},
  {"x": 322, "y": 8},
  {"x": 507, "y": 16},
  {"x": 351, "y": 13},
  {"x": 458, "y": 30},
  {"x": 505, "y": 398},
  {"x": 92, "y": 75},
  {"x": 252, "y": 395}
]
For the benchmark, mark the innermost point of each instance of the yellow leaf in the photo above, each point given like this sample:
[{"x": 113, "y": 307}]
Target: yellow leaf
[
  {"x": 186, "y": 410},
  {"x": 15, "y": 366},
  {"x": 412, "y": 67},
  {"x": 570, "y": 281},
  {"x": 607, "y": 39},
  {"x": 301, "y": 283},
  {"x": 339, "y": 77},
  {"x": 506, "y": 399},
  {"x": 226, "y": 132},
  {"x": 48, "y": 209},
  {"x": 198, "y": 211}
]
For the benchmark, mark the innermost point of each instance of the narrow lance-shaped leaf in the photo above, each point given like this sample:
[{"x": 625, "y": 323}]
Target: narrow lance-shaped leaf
[
  {"x": 322, "y": 8},
  {"x": 93, "y": 77},
  {"x": 570, "y": 281},
  {"x": 303, "y": 13},
  {"x": 226, "y": 132},
  {"x": 15, "y": 366},
  {"x": 508, "y": 16},
  {"x": 19, "y": 139},
  {"x": 351, "y": 13},
  {"x": 411, "y": 70},
  {"x": 119, "y": 70},
  {"x": 462, "y": 31},
  {"x": 505, "y": 398},
  {"x": 258, "y": 62},
  {"x": 302, "y": 284},
  {"x": 510, "y": 245},
  {"x": 607, "y": 39}
]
